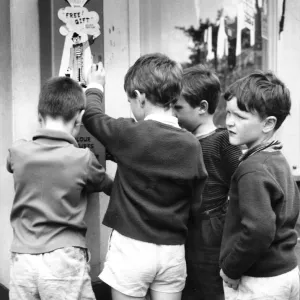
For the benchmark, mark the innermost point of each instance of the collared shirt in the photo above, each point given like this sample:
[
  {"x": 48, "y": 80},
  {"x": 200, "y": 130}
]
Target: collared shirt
[
  {"x": 55, "y": 135},
  {"x": 166, "y": 119},
  {"x": 51, "y": 178}
]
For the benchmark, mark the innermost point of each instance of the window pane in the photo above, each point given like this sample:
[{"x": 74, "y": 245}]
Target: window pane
[{"x": 229, "y": 36}]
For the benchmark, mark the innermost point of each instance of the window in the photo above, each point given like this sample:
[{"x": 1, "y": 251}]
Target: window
[{"x": 230, "y": 36}]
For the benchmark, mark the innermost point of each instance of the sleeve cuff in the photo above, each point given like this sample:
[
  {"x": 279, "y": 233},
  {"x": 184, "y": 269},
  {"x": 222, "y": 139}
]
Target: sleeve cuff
[{"x": 94, "y": 85}]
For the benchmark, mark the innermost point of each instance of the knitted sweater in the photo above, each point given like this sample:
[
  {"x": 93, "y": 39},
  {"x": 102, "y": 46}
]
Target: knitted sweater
[
  {"x": 259, "y": 235},
  {"x": 160, "y": 175}
]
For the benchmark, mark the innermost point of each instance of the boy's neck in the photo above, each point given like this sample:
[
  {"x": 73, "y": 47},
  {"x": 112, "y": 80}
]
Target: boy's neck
[
  {"x": 264, "y": 140},
  {"x": 57, "y": 124},
  {"x": 206, "y": 126},
  {"x": 157, "y": 110}
]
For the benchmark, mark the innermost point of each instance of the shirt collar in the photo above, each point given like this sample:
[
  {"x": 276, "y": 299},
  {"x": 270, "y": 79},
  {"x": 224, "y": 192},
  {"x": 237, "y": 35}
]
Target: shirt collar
[
  {"x": 202, "y": 136},
  {"x": 169, "y": 120},
  {"x": 55, "y": 135}
]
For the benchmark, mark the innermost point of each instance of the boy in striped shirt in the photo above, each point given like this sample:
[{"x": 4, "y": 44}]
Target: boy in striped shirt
[{"x": 195, "y": 112}]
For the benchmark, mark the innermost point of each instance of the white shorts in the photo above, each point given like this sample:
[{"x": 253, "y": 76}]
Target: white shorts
[
  {"x": 281, "y": 287},
  {"x": 60, "y": 274},
  {"x": 132, "y": 267}
]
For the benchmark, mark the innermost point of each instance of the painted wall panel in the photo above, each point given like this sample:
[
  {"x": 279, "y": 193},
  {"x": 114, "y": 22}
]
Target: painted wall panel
[
  {"x": 288, "y": 70},
  {"x": 6, "y": 185}
]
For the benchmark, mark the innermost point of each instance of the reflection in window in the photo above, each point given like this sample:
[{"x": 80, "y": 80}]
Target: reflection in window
[{"x": 229, "y": 36}]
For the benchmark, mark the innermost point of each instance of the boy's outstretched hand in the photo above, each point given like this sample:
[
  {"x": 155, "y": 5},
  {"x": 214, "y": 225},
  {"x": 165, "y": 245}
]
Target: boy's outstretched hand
[
  {"x": 232, "y": 283},
  {"x": 96, "y": 74}
]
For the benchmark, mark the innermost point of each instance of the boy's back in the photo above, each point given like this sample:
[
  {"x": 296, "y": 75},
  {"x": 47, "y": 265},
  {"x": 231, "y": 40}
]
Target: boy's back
[
  {"x": 51, "y": 175},
  {"x": 51, "y": 178},
  {"x": 270, "y": 251},
  {"x": 153, "y": 190},
  {"x": 159, "y": 181}
]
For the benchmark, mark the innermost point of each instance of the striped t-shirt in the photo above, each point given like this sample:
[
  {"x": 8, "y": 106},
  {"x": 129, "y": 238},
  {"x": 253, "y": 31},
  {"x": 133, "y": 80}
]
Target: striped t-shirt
[{"x": 221, "y": 160}]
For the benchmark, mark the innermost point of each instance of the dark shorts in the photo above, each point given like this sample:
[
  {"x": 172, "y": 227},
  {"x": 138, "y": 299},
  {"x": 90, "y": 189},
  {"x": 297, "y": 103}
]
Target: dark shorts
[{"x": 202, "y": 256}]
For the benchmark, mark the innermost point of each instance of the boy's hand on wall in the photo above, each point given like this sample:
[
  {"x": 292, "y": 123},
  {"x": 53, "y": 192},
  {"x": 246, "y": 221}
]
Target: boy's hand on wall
[
  {"x": 96, "y": 74},
  {"x": 232, "y": 283}
]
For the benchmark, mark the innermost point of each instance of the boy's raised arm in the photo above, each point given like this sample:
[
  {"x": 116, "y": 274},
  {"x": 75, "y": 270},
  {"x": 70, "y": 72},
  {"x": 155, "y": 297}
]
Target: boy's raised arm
[
  {"x": 106, "y": 129},
  {"x": 102, "y": 127}
]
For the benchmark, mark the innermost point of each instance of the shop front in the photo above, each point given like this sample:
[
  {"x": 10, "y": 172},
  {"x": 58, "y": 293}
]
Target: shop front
[{"x": 39, "y": 41}]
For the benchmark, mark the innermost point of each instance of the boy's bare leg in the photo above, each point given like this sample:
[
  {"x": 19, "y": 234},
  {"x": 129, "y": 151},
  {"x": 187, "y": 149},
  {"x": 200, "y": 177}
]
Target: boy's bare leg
[
  {"x": 165, "y": 296},
  {"x": 116, "y": 295},
  {"x": 148, "y": 297}
]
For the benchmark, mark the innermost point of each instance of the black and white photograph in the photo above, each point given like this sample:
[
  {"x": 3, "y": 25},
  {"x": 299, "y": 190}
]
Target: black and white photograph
[{"x": 149, "y": 150}]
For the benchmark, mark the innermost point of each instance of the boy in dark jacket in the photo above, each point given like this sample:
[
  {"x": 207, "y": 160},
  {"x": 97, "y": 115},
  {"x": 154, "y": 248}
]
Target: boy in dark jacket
[
  {"x": 159, "y": 181},
  {"x": 257, "y": 259}
]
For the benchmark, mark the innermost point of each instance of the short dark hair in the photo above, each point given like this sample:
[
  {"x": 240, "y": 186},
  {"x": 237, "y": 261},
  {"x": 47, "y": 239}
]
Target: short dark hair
[
  {"x": 262, "y": 92},
  {"x": 61, "y": 97},
  {"x": 157, "y": 76},
  {"x": 200, "y": 83}
]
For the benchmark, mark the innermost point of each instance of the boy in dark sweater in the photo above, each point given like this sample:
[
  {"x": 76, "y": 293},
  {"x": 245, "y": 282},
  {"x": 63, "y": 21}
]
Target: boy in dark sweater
[
  {"x": 52, "y": 176},
  {"x": 195, "y": 111},
  {"x": 257, "y": 253},
  {"x": 159, "y": 181}
]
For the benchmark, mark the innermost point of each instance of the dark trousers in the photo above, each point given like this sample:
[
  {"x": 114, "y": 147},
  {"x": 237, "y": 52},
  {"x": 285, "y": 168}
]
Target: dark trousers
[{"x": 202, "y": 257}]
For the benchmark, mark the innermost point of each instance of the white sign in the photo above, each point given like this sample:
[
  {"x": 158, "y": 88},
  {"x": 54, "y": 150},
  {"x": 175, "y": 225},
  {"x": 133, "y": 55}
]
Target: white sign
[
  {"x": 86, "y": 140},
  {"x": 80, "y": 20},
  {"x": 80, "y": 30}
]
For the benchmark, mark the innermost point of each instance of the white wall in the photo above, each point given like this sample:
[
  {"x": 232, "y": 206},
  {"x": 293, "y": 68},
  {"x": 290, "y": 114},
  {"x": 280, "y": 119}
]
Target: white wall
[
  {"x": 288, "y": 66},
  {"x": 25, "y": 66},
  {"x": 158, "y": 21},
  {"x": 118, "y": 56},
  {"x": 19, "y": 86},
  {"x": 6, "y": 188}
]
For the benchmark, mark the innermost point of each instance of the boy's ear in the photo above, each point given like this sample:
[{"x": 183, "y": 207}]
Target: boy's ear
[
  {"x": 141, "y": 97},
  {"x": 203, "y": 107},
  {"x": 78, "y": 119},
  {"x": 269, "y": 124}
]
